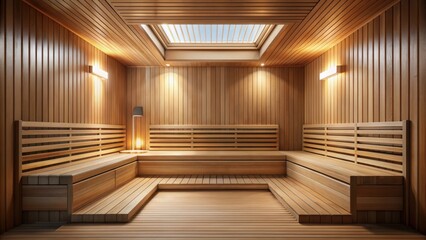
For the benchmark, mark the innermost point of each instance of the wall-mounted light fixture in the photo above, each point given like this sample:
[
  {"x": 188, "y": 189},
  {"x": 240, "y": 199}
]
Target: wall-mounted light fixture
[
  {"x": 98, "y": 72},
  {"x": 137, "y": 112},
  {"x": 332, "y": 71}
]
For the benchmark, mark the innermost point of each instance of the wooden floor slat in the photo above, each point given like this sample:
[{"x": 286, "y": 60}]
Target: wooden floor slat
[{"x": 253, "y": 214}]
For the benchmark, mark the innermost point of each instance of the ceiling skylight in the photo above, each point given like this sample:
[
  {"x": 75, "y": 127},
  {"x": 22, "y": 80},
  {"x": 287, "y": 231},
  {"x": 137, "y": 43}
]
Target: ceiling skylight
[
  {"x": 215, "y": 42},
  {"x": 213, "y": 33}
]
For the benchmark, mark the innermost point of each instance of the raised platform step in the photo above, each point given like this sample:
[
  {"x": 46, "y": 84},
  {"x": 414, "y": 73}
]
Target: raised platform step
[
  {"x": 120, "y": 205},
  {"x": 304, "y": 203}
]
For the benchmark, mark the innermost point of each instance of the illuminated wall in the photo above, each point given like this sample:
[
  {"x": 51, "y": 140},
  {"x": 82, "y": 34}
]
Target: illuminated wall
[
  {"x": 44, "y": 77},
  {"x": 219, "y": 95},
  {"x": 385, "y": 80}
]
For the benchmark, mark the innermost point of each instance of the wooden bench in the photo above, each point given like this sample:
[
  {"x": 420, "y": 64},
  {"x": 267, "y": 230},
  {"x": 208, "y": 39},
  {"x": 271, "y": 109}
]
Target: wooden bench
[
  {"x": 65, "y": 166},
  {"x": 361, "y": 167},
  {"x": 212, "y": 149}
]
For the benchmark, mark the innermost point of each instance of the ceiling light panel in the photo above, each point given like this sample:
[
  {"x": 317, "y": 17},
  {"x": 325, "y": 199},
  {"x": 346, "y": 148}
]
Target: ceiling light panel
[{"x": 214, "y": 33}]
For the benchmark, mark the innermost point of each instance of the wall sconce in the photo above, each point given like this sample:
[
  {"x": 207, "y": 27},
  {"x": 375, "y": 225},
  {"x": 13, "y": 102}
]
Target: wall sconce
[
  {"x": 137, "y": 112},
  {"x": 98, "y": 72},
  {"x": 332, "y": 71}
]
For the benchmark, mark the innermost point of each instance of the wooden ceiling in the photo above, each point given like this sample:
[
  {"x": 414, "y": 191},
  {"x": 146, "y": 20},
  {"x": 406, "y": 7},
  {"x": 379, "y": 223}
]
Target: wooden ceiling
[
  {"x": 113, "y": 26},
  {"x": 207, "y": 11}
]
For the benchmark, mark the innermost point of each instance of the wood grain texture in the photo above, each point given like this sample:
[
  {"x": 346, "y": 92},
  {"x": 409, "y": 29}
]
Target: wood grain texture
[
  {"x": 64, "y": 143},
  {"x": 218, "y": 96},
  {"x": 314, "y": 26},
  {"x": 99, "y": 24},
  {"x": 213, "y": 137},
  {"x": 381, "y": 145},
  {"x": 252, "y": 214},
  {"x": 218, "y": 166},
  {"x": 383, "y": 81},
  {"x": 204, "y": 11},
  {"x": 43, "y": 78},
  {"x": 121, "y": 205}
]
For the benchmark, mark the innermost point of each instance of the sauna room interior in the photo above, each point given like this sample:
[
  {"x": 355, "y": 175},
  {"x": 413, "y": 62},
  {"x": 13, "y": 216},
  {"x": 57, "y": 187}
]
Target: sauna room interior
[{"x": 191, "y": 119}]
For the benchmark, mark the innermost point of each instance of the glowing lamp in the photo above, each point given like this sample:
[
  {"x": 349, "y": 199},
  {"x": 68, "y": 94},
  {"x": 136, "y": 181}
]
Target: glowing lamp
[
  {"x": 139, "y": 143},
  {"x": 332, "y": 71},
  {"x": 137, "y": 112},
  {"x": 98, "y": 72}
]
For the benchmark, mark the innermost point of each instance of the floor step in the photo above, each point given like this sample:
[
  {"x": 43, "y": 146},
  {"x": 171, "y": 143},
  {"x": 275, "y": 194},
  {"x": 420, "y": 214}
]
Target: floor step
[
  {"x": 306, "y": 204},
  {"x": 120, "y": 205}
]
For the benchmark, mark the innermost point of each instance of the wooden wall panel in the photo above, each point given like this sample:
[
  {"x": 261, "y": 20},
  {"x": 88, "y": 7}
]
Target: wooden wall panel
[
  {"x": 384, "y": 81},
  {"x": 43, "y": 77},
  {"x": 218, "y": 95}
]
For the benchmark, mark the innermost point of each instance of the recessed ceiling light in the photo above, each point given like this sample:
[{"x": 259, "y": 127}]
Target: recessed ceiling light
[
  {"x": 167, "y": 65},
  {"x": 262, "y": 64}
]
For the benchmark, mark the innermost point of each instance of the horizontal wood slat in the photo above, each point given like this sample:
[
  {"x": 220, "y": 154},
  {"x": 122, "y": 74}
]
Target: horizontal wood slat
[
  {"x": 213, "y": 137},
  {"x": 377, "y": 144},
  {"x": 43, "y": 144}
]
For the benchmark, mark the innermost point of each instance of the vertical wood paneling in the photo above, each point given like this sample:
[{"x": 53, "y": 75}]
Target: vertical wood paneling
[
  {"x": 385, "y": 78},
  {"x": 43, "y": 71},
  {"x": 422, "y": 114},
  {"x": 3, "y": 214},
  {"x": 219, "y": 95}
]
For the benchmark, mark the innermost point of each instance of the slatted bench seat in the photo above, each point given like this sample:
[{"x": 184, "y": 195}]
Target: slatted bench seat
[
  {"x": 212, "y": 149},
  {"x": 65, "y": 166},
  {"x": 361, "y": 167},
  {"x": 73, "y": 172}
]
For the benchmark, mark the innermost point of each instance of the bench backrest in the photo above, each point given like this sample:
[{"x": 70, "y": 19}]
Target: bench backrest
[
  {"x": 43, "y": 144},
  {"x": 377, "y": 144},
  {"x": 213, "y": 137}
]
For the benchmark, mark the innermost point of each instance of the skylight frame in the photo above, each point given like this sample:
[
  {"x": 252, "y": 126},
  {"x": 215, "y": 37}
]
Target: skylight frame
[{"x": 225, "y": 30}]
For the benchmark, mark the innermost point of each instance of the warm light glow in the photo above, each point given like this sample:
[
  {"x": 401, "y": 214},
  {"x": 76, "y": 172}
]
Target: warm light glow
[
  {"x": 167, "y": 65},
  {"x": 138, "y": 143},
  {"x": 95, "y": 70},
  {"x": 330, "y": 72},
  {"x": 262, "y": 64}
]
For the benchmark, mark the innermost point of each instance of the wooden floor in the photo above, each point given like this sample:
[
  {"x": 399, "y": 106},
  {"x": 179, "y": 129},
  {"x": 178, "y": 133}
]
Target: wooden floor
[
  {"x": 181, "y": 214},
  {"x": 306, "y": 205}
]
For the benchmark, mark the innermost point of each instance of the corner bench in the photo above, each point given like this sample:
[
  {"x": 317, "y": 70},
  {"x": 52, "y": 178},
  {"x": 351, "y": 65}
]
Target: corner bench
[
  {"x": 64, "y": 166},
  {"x": 361, "y": 167},
  {"x": 346, "y": 173}
]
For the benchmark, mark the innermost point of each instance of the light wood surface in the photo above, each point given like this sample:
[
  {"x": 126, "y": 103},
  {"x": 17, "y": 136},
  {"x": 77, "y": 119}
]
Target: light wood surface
[
  {"x": 361, "y": 166},
  {"x": 383, "y": 82},
  {"x": 45, "y": 144},
  {"x": 65, "y": 188},
  {"x": 254, "y": 214},
  {"x": 211, "y": 162},
  {"x": 336, "y": 168},
  {"x": 99, "y": 24},
  {"x": 204, "y": 11},
  {"x": 43, "y": 78},
  {"x": 317, "y": 29},
  {"x": 305, "y": 204},
  {"x": 77, "y": 171},
  {"x": 382, "y": 145},
  {"x": 217, "y": 166},
  {"x": 218, "y": 96},
  {"x": 213, "y": 137}
]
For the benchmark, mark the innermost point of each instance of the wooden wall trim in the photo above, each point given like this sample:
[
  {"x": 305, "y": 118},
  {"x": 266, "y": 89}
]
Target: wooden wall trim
[{"x": 384, "y": 81}]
